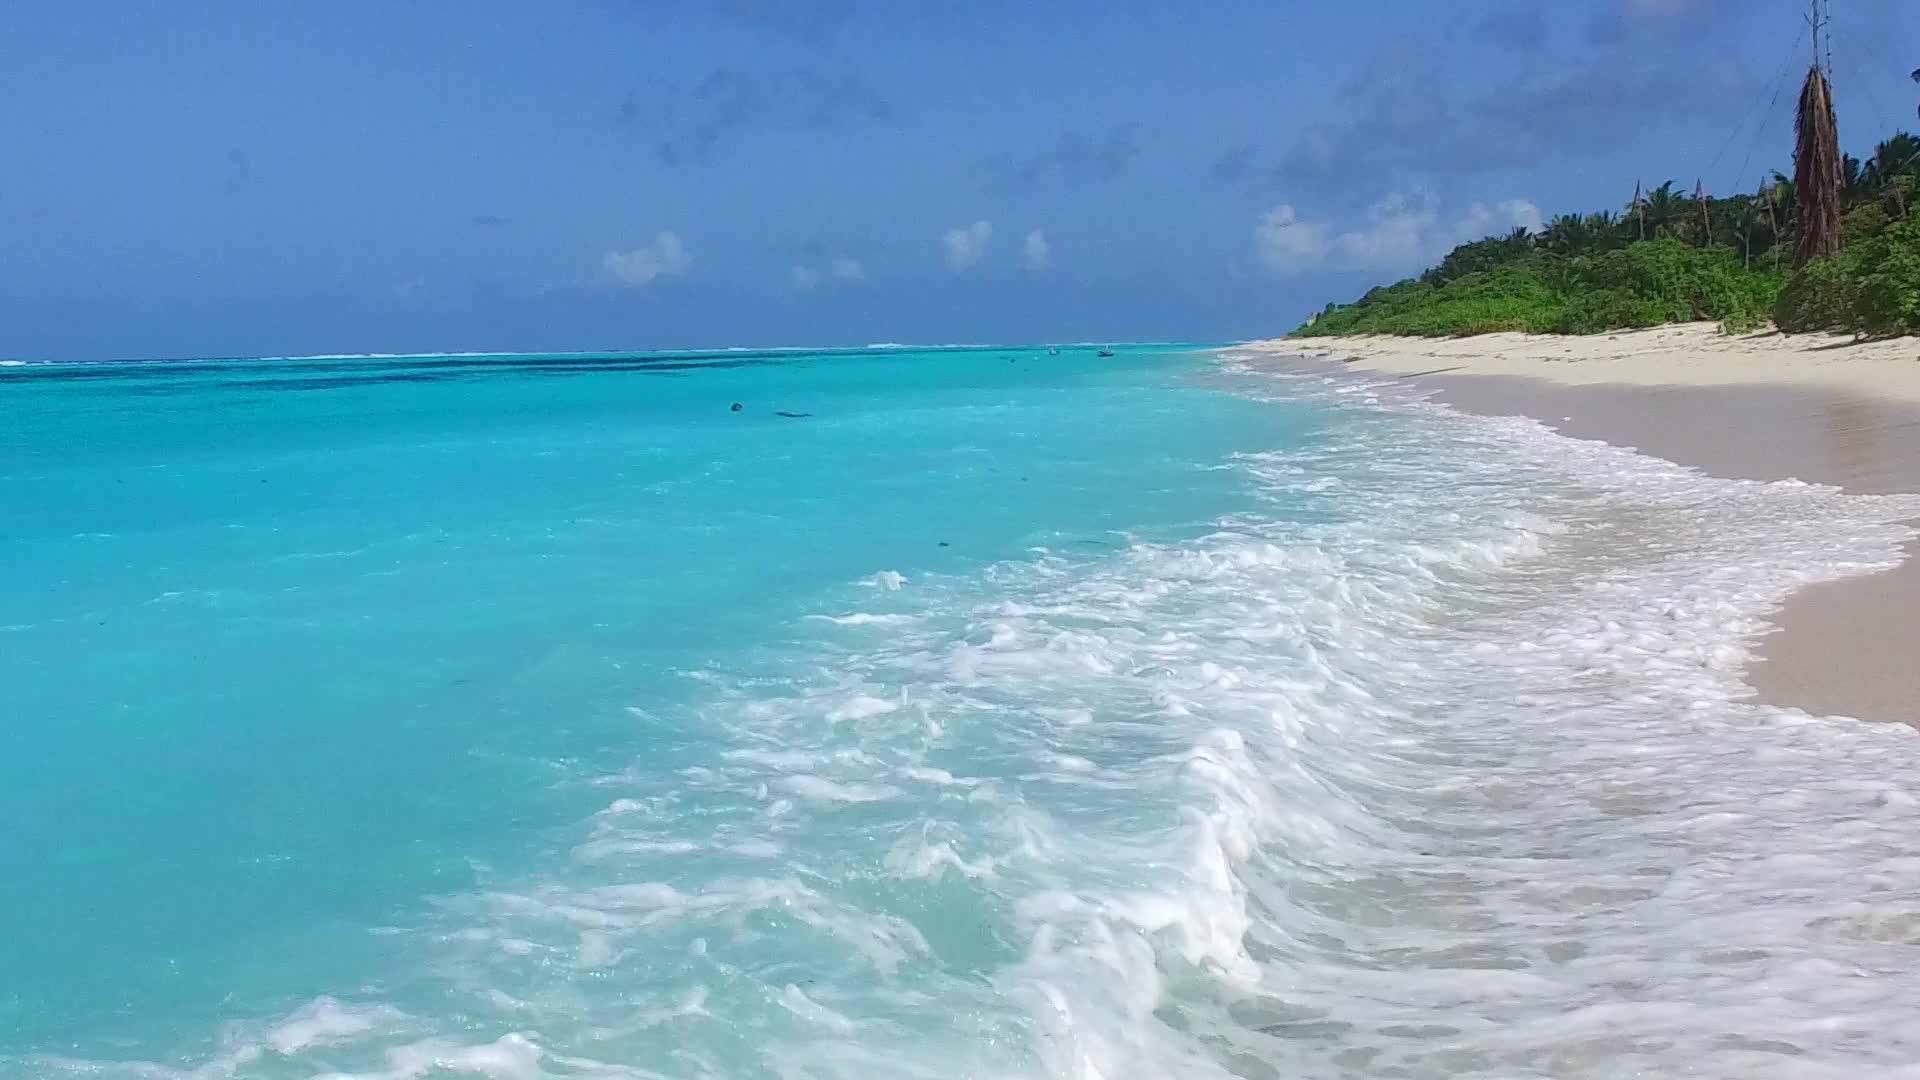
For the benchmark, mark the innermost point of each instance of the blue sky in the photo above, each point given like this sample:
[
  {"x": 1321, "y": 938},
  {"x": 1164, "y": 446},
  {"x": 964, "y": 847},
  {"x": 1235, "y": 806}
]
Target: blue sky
[{"x": 210, "y": 177}]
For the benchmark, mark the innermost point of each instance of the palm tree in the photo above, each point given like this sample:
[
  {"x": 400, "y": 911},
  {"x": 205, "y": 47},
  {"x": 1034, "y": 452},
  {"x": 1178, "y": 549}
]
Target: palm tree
[
  {"x": 1566, "y": 234},
  {"x": 1785, "y": 195},
  {"x": 1892, "y": 159},
  {"x": 1897, "y": 156},
  {"x": 1664, "y": 209},
  {"x": 1606, "y": 231},
  {"x": 1783, "y": 208},
  {"x": 1775, "y": 201},
  {"x": 1743, "y": 216},
  {"x": 1703, "y": 215}
]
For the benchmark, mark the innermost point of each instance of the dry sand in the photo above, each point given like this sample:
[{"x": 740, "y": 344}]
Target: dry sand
[{"x": 1765, "y": 406}]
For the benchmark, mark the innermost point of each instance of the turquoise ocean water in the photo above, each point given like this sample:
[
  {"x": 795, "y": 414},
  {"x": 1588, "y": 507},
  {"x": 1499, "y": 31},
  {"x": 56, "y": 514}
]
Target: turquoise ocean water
[{"x": 998, "y": 714}]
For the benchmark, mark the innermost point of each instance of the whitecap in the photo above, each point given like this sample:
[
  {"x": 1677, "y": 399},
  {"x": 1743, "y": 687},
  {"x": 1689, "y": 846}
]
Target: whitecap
[{"x": 820, "y": 789}]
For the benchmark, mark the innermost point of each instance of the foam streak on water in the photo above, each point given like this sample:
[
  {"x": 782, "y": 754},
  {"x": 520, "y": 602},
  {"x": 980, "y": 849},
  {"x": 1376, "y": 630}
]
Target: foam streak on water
[{"x": 1431, "y": 759}]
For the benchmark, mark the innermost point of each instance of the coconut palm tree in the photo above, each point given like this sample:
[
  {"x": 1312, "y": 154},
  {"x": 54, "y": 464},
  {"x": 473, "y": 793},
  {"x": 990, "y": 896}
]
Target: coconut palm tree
[
  {"x": 1897, "y": 156},
  {"x": 1607, "y": 231},
  {"x": 1664, "y": 209},
  {"x": 1892, "y": 159},
  {"x": 1781, "y": 202},
  {"x": 1566, "y": 234},
  {"x": 1744, "y": 218}
]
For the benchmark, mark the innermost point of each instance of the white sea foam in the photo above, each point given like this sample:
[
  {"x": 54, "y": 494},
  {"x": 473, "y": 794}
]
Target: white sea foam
[
  {"x": 862, "y": 707},
  {"x": 819, "y": 789},
  {"x": 322, "y": 1023},
  {"x": 865, "y": 618},
  {"x": 1444, "y": 768}
]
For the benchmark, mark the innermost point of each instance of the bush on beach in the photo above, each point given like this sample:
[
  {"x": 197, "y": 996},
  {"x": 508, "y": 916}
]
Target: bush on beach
[{"x": 1673, "y": 259}]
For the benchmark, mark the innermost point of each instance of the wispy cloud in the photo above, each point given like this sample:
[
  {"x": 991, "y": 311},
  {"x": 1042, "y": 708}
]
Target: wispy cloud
[
  {"x": 488, "y": 221},
  {"x": 1401, "y": 233},
  {"x": 1078, "y": 158},
  {"x": 1482, "y": 220},
  {"x": 1037, "y": 252},
  {"x": 1287, "y": 245},
  {"x": 1409, "y": 114},
  {"x": 1625, "y": 19},
  {"x": 689, "y": 123},
  {"x": 966, "y": 245},
  {"x": 840, "y": 268},
  {"x": 642, "y": 266}
]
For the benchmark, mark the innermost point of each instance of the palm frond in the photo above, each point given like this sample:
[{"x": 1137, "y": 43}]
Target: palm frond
[{"x": 1818, "y": 177}]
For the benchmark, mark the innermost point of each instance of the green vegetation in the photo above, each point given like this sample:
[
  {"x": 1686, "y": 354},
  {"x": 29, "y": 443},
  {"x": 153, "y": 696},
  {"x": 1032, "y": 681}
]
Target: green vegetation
[{"x": 1675, "y": 258}]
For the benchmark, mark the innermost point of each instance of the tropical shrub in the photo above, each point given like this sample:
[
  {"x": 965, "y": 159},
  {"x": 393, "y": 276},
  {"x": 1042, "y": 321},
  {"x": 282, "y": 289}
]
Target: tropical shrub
[
  {"x": 1818, "y": 297},
  {"x": 1871, "y": 287},
  {"x": 1886, "y": 272},
  {"x": 1671, "y": 258},
  {"x": 1596, "y": 311},
  {"x": 1864, "y": 222},
  {"x": 1511, "y": 298}
]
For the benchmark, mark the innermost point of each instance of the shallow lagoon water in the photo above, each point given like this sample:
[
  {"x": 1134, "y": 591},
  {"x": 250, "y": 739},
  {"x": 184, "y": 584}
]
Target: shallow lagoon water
[{"x": 1007, "y": 715}]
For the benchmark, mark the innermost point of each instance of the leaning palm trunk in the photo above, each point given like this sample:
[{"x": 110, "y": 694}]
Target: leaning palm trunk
[
  {"x": 1773, "y": 223},
  {"x": 1817, "y": 175}
]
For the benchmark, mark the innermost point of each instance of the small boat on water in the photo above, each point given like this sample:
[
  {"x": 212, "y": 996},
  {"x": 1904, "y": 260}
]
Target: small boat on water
[{"x": 1106, "y": 352}]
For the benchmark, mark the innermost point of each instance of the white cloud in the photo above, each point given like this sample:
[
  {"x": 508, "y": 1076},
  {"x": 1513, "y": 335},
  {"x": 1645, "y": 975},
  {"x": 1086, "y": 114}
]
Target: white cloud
[
  {"x": 967, "y": 245},
  {"x": 638, "y": 268},
  {"x": 1403, "y": 232},
  {"x": 1288, "y": 245},
  {"x": 1482, "y": 221},
  {"x": 838, "y": 268},
  {"x": 1399, "y": 233},
  {"x": 1037, "y": 253}
]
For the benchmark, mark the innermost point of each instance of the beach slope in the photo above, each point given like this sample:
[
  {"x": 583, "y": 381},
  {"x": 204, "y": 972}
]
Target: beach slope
[{"x": 1764, "y": 406}]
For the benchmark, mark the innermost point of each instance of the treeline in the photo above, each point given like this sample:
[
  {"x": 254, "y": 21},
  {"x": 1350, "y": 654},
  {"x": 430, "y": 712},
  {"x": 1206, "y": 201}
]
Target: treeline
[{"x": 1673, "y": 257}]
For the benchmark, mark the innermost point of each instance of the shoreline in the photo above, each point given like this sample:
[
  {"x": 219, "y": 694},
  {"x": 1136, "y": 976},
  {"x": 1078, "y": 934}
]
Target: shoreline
[{"x": 1760, "y": 407}]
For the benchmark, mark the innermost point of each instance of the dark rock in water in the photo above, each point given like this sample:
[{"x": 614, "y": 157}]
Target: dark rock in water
[
  {"x": 943, "y": 543},
  {"x": 794, "y": 415},
  {"x": 735, "y": 407}
]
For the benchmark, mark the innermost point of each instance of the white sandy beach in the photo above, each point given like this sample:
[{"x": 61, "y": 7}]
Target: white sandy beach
[
  {"x": 1695, "y": 354},
  {"x": 1763, "y": 406}
]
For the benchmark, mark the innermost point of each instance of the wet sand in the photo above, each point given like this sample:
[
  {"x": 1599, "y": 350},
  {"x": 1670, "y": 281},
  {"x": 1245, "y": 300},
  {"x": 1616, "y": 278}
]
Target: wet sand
[{"x": 1823, "y": 411}]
